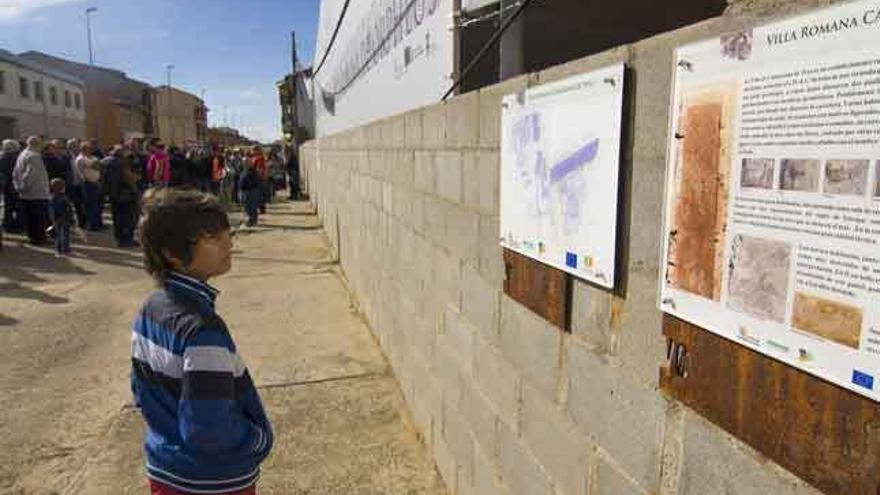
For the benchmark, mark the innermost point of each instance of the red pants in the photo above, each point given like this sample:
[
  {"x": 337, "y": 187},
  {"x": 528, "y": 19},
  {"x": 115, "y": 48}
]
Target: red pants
[{"x": 157, "y": 488}]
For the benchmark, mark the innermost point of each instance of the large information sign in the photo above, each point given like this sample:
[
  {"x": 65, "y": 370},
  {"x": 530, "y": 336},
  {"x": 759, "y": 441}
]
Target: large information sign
[
  {"x": 560, "y": 160},
  {"x": 773, "y": 192}
]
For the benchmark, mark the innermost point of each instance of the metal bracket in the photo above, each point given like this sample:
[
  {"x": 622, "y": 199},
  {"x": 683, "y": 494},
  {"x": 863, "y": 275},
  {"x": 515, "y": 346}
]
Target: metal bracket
[{"x": 677, "y": 358}]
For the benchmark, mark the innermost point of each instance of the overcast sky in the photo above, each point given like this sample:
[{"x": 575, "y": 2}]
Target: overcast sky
[{"x": 233, "y": 49}]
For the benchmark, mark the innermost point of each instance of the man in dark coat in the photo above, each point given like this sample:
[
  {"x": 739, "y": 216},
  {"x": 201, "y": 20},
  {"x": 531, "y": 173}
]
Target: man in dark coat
[
  {"x": 293, "y": 175},
  {"x": 122, "y": 190},
  {"x": 56, "y": 162}
]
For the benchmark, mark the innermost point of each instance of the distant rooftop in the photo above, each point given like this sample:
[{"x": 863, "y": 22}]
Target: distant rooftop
[{"x": 10, "y": 57}]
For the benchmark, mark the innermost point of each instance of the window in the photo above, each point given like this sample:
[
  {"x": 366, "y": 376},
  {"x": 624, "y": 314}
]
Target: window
[
  {"x": 2, "y": 82},
  {"x": 67, "y": 98},
  {"x": 78, "y": 101},
  {"x": 38, "y": 90},
  {"x": 23, "y": 87},
  {"x": 53, "y": 95}
]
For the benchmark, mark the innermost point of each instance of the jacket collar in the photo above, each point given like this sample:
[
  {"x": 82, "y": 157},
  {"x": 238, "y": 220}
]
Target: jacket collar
[{"x": 190, "y": 287}]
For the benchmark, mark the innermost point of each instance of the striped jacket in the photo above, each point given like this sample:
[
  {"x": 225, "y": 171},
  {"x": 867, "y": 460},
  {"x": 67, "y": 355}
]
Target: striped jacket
[{"x": 206, "y": 428}]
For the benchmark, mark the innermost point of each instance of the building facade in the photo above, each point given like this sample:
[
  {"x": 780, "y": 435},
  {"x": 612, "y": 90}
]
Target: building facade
[
  {"x": 181, "y": 117},
  {"x": 117, "y": 107},
  {"x": 35, "y": 99},
  {"x": 297, "y": 108},
  {"x": 227, "y": 137}
]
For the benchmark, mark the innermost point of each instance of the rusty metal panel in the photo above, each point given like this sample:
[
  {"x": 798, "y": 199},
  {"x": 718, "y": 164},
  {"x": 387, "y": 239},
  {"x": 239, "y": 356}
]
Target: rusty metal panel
[
  {"x": 824, "y": 434},
  {"x": 539, "y": 287}
]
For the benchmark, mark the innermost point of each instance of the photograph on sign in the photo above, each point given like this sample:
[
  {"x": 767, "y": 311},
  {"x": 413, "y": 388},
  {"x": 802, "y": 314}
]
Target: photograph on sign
[
  {"x": 560, "y": 164},
  {"x": 772, "y": 218}
]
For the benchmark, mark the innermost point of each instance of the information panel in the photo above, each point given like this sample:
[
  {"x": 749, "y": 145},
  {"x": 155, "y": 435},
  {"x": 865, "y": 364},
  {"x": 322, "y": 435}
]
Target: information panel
[
  {"x": 560, "y": 161},
  {"x": 772, "y": 216}
]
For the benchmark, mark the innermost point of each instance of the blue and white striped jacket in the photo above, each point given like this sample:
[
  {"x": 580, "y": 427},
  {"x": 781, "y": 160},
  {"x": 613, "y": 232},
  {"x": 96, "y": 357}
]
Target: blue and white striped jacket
[{"x": 207, "y": 431}]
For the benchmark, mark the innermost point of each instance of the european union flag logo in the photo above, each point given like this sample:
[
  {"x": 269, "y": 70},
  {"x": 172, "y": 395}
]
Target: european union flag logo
[{"x": 863, "y": 380}]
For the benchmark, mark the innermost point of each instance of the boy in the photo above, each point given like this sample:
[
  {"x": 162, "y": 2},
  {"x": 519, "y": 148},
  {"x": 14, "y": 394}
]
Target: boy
[
  {"x": 252, "y": 189},
  {"x": 62, "y": 216},
  {"x": 206, "y": 428}
]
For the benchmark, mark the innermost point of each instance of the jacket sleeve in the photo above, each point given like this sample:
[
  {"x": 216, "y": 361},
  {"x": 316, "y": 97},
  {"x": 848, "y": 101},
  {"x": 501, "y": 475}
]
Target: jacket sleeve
[
  {"x": 21, "y": 174},
  {"x": 211, "y": 421}
]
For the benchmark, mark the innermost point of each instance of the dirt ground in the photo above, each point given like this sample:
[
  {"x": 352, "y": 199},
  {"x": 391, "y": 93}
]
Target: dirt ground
[{"x": 67, "y": 425}]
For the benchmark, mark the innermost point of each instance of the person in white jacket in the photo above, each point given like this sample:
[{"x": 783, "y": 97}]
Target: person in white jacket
[
  {"x": 31, "y": 180},
  {"x": 90, "y": 169}
]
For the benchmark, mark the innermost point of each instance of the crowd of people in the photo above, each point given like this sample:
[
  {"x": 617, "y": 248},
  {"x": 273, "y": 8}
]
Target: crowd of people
[{"x": 54, "y": 188}]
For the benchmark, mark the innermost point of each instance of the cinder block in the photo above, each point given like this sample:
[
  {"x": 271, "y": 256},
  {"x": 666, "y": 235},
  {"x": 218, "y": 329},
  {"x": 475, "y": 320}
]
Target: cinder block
[
  {"x": 591, "y": 316},
  {"x": 490, "y": 109},
  {"x": 480, "y": 418},
  {"x": 448, "y": 373},
  {"x": 424, "y": 176},
  {"x": 446, "y": 279},
  {"x": 470, "y": 181},
  {"x": 417, "y": 220},
  {"x": 519, "y": 468},
  {"x": 402, "y": 172},
  {"x": 387, "y": 189},
  {"x": 413, "y": 128},
  {"x": 622, "y": 415},
  {"x": 645, "y": 231},
  {"x": 715, "y": 461},
  {"x": 460, "y": 441},
  {"x": 609, "y": 481},
  {"x": 446, "y": 464},
  {"x": 424, "y": 342},
  {"x": 435, "y": 219},
  {"x": 487, "y": 476},
  {"x": 532, "y": 345},
  {"x": 397, "y": 130},
  {"x": 428, "y": 403},
  {"x": 499, "y": 382},
  {"x": 401, "y": 205},
  {"x": 462, "y": 231},
  {"x": 559, "y": 447},
  {"x": 642, "y": 348},
  {"x": 480, "y": 303},
  {"x": 434, "y": 127},
  {"x": 490, "y": 178},
  {"x": 491, "y": 254},
  {"x": 458, "y": 335},
  {"x": 462, "y": 121},
  {"x": 448, "y": 173}
]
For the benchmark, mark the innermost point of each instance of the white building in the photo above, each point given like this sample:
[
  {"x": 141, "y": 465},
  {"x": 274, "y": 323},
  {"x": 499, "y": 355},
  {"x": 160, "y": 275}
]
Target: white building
[{"x": 35, "y": 99}]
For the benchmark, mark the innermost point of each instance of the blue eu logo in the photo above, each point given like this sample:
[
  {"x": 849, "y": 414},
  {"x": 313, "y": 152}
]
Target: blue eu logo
[{"x": 863, "y": 380}]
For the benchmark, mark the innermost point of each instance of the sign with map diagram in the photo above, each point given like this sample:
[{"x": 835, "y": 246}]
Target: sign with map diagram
[{"x": 560, "y": 163}]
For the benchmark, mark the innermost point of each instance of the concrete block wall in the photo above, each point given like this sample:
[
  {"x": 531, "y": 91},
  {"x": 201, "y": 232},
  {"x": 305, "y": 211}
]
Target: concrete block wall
[{"x": 506, "y": 403}]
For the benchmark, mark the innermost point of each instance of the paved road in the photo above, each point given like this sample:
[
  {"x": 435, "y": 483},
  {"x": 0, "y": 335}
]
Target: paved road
[{"x": 67, "y": 426}]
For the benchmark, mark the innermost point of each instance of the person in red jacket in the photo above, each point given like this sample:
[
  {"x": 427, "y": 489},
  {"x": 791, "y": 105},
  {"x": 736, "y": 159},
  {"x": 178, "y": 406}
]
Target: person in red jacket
[{"x": 259, "y": 162}]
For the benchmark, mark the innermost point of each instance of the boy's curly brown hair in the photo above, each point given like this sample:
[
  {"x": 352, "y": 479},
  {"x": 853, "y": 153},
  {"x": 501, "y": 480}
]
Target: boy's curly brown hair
[{"x": 173, "y": 221}]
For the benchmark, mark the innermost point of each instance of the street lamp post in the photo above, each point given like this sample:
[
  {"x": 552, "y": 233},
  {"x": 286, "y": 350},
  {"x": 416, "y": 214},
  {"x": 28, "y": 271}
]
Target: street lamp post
[
  {"x": 89, "y": 12},
  {"x": 168, "y": 69}
]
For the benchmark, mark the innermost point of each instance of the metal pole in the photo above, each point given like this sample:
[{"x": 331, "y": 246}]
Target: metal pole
[{"x": 89, "y": 32}]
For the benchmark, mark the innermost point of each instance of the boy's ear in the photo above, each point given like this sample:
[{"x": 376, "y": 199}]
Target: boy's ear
[{"x": 174, "y": 262}]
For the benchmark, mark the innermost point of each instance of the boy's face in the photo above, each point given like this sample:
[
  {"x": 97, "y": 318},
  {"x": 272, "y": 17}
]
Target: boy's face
[{"x": 212, "y": 256}]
